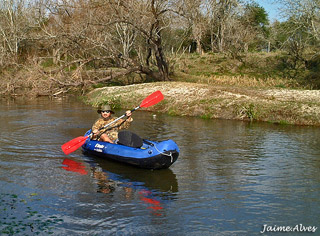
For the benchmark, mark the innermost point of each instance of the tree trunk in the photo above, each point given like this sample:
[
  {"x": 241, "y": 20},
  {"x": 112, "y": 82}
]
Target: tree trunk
[
  {"x": 161, "y": 61},
  {"x": 199, "y": 47}
]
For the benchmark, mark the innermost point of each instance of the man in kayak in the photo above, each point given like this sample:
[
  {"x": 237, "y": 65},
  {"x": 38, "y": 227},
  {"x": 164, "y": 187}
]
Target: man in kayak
[{"x": 110, "y": 133}]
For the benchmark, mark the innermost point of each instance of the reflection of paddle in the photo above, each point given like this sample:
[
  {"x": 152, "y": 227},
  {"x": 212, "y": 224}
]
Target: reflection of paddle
[
  {"x": 74, "y": 166},
  {"x": 75, "y": 143},
  {"x": 155, "y": 205}
]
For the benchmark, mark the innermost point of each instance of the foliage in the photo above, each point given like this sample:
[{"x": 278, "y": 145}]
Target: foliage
[{"x": 256, "y": 18}]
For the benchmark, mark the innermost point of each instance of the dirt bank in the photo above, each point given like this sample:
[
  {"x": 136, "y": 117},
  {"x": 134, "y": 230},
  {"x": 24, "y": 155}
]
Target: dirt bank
[{"x": 301, "y": 107}]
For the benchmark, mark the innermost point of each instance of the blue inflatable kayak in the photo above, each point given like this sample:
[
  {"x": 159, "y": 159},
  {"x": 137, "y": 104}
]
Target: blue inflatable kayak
[{"x": 151, "y": 155}]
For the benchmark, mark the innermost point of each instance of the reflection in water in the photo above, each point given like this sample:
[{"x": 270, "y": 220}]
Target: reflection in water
[
  {"x": 154, "y": 205},
  {"x": 103, "y": 183},
  {"x": 129, "y": 182},
  {"x": 74, "y": 166},
  {"x": 160, "y": 180},
  {"x": 151, "y": 187}
]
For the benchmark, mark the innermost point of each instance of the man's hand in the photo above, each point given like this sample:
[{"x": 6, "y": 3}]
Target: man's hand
[
  {"x": 128, "y": 114},
  {"x": 95, "y": 132}
]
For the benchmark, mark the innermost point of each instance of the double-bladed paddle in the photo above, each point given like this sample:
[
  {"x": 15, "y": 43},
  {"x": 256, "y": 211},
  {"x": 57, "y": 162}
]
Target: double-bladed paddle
[{"x": 75, "y": 143}]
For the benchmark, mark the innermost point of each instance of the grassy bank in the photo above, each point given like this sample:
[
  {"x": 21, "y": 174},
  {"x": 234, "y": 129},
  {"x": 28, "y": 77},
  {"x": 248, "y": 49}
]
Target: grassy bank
[{"x": 275, "y": 105}]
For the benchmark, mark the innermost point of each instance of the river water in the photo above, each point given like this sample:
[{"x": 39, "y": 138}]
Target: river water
[{"x": 231, "y": 178}]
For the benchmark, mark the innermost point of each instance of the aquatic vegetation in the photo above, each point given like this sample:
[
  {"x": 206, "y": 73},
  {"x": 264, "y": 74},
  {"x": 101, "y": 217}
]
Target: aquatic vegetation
[{"x": 18, "y": 216}]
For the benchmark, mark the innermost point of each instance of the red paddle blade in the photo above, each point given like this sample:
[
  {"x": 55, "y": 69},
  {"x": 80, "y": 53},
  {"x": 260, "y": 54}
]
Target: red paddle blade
[
  {"x": 73, "y": 144},
  {"x": 152, "y": 99}
]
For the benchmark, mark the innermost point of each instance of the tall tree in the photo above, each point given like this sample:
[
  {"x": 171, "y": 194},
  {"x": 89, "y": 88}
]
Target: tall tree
[
  {"x": 15, "y": 26},
  {"x": 255, "y": 20},
  {"x": 222, "y": 19},
  {"x": 193, "y": 13},
  {"x": 303, "y": 19}
]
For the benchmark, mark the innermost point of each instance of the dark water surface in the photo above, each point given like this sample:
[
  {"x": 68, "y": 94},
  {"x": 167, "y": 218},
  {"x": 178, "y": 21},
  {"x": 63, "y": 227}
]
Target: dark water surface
[{"x": 231, "y": 178}]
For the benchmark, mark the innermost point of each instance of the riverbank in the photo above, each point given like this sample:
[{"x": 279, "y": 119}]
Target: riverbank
[{"x": 211, "y": 101}]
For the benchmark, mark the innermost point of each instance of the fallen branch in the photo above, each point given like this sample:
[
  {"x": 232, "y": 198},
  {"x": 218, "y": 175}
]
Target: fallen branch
[{"x": 60, "y": 92}]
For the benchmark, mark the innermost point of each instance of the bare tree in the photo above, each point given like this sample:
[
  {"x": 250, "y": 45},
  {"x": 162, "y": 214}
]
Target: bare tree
[
  {"x": 305, "y": 14},
  {"x": 302, "y": 28},
  {"x": 107, "y": 34},
  {"x": 193, "y": 13},
  {"x": 15, "y": 27},
  {"x": 222, "y": 17}
]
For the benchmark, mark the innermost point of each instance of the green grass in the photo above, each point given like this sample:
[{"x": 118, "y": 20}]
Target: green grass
[{"x": 255, "y": 69}]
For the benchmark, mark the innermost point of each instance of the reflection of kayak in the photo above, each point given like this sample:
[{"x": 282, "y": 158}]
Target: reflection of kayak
[
  {"x": 163, "y": 180},
  {"x": 152, "y": 155}
]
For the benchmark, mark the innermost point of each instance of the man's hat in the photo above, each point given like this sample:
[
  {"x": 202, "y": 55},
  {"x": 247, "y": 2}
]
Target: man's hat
[{"x": 104, "y": 108}]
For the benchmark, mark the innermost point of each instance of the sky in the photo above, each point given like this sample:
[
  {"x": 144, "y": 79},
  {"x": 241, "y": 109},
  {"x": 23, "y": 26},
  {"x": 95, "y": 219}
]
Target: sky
[{"x": 271, "y": 8}]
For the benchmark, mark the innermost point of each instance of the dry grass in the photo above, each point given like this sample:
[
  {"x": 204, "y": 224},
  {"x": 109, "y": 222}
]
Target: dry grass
[
  {"x": 216, "y": 101},
  {"x": 239, "y": 80}
]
